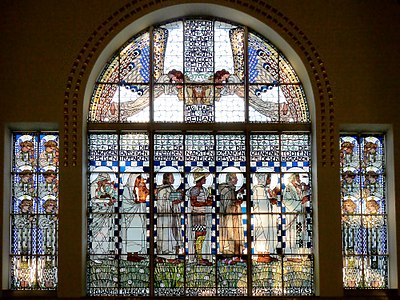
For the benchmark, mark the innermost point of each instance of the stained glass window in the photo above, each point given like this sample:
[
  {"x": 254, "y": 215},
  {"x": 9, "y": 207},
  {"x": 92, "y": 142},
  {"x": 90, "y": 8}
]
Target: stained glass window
[
  {"x": 198, "y": 76},
  {"x": 34, "y": 211},
  {"x": 188, "y": 195},
  {"x": 364, "y": 211}
]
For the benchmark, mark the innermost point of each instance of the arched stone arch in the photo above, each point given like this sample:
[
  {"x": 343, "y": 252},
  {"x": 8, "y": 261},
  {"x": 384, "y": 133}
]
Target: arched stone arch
[{"x": 255, "y": 14}]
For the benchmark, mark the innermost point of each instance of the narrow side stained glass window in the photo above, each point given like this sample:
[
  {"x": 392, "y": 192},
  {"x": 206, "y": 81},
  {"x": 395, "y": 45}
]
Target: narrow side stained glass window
[
  {"x": 34, "y": 211},
  {"x": 364, "y": 211}
]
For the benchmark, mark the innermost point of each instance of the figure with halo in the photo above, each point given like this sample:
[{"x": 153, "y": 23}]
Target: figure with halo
[
  {"x": 104, "y": 195},
  {"x": 26, "y": 156},
  {"x": 169, "y": 233},
  {"x": 134, "y": 196},
  {"x": 49, "y": 186},
  {"x": 231, "y": 227},
  {"x": 50, "y": 154},
  {"x": 25, "y": 184},
  {"x": 266, "y": 210},
  {"x": 199, "y": 222},
  {"x": 295, "y": 199},
  {"x": 23, "y": 223}
]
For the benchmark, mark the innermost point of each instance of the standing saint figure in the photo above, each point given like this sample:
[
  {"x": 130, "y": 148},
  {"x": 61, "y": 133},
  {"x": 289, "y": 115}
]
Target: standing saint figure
[
  {"x": 373, "y": 223},
  {"x": 266, "y": 212},
  {"x": 48, "y": 226},
  {"x": 200, "y": 220},
  {"x": 23, "y": 228},
  {"x": 104, "y": 195},
  {"x": 134, "y": 198},
  {"x": 295, "y": 199},
  {"x": 231, "y": 234},
  {"x": 169, "y": 233}
]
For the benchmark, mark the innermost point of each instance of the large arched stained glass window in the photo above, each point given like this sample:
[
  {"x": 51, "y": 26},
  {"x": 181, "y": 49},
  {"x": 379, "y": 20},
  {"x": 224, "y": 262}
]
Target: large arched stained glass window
[{"x": 199, "y": 167}]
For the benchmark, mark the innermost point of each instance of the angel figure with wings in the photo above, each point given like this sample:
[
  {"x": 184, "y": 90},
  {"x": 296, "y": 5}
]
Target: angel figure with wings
[{"x": 184, "y": 89}]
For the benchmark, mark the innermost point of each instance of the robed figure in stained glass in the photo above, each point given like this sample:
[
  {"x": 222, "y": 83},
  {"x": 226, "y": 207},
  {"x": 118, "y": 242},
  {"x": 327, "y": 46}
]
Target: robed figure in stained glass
[
  {"x": 26, "y": 155},
  {"x": 265, "y": 201},
  {"x": 49, "y": 186},
  {"x": 199, "y": 220},
  {"x": 50, "y": 155},
  {"x": 374, "y": 226},
  {"x": 134, "y": 196},
  {"x": 105, "y": 193},
  {"x": 48, "y": 226},
  {"x": 23, "y": 227},
  {"x": 231, "y": 235},
  {"x": 25, "y": 185},
  {"x": 169, "y": 233},
  {"x": 295, "y": 198}
]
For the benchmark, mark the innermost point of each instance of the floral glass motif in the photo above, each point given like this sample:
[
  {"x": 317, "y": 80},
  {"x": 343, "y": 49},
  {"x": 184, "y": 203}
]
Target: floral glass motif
[
  {"x": 34, "y": 211},
  {"x": 193, "y": 211},
  {"x": 364, "y": 211},
  {"x": 198, "y": 76}
]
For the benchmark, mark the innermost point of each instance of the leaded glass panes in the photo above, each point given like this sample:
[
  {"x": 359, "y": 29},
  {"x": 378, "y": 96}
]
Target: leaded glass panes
[
  {"x": 199, "y": 77},
  {"x": 201, "y": 221},
  {"x": 186, "y": 209},
  {"x": 34, "y": 211},
  {"x": 364, "y": 214},
  {"x": 118, "y": 210},
  {"x": 281, "y": 219}
]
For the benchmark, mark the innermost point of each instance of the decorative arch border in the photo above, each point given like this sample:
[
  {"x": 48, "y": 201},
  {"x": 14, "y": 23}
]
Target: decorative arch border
[{"x": 324, "y": 98}]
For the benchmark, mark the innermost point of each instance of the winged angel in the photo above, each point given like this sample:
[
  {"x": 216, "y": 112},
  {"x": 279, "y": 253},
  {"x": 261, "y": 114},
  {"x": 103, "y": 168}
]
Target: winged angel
[{"x": 269, "y": 101}]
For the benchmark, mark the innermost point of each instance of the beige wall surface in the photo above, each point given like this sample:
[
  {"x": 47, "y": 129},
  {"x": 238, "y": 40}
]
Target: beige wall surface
[{"x": 349, "y": 49}]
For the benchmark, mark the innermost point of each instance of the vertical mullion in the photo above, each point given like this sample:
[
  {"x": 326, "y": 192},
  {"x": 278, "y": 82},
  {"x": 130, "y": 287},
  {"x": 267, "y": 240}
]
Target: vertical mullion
[
  {"x": 151, "y": 160},
  {"x": 247, "y": 146},
  {"x": 248, "y": 216},
  {"x": 364, "y": 237},
  {"x": 151, "y": 214},
  {"x": 279, "y": 86},
  {"x": 213, "y": 84},
  {"x": 246, "y": 74},
  {"x": 281, "y": 214},
  {"x": 215, "y": 213},
  {"x": 185, "y": 215},
  {"x": 151, "y": 78},
  {"x": 119, "y": 87},
  {"x": 34, "y": 253},
  {"x": 119, "y": 249},
  {"x": 183, "y": 71}
]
